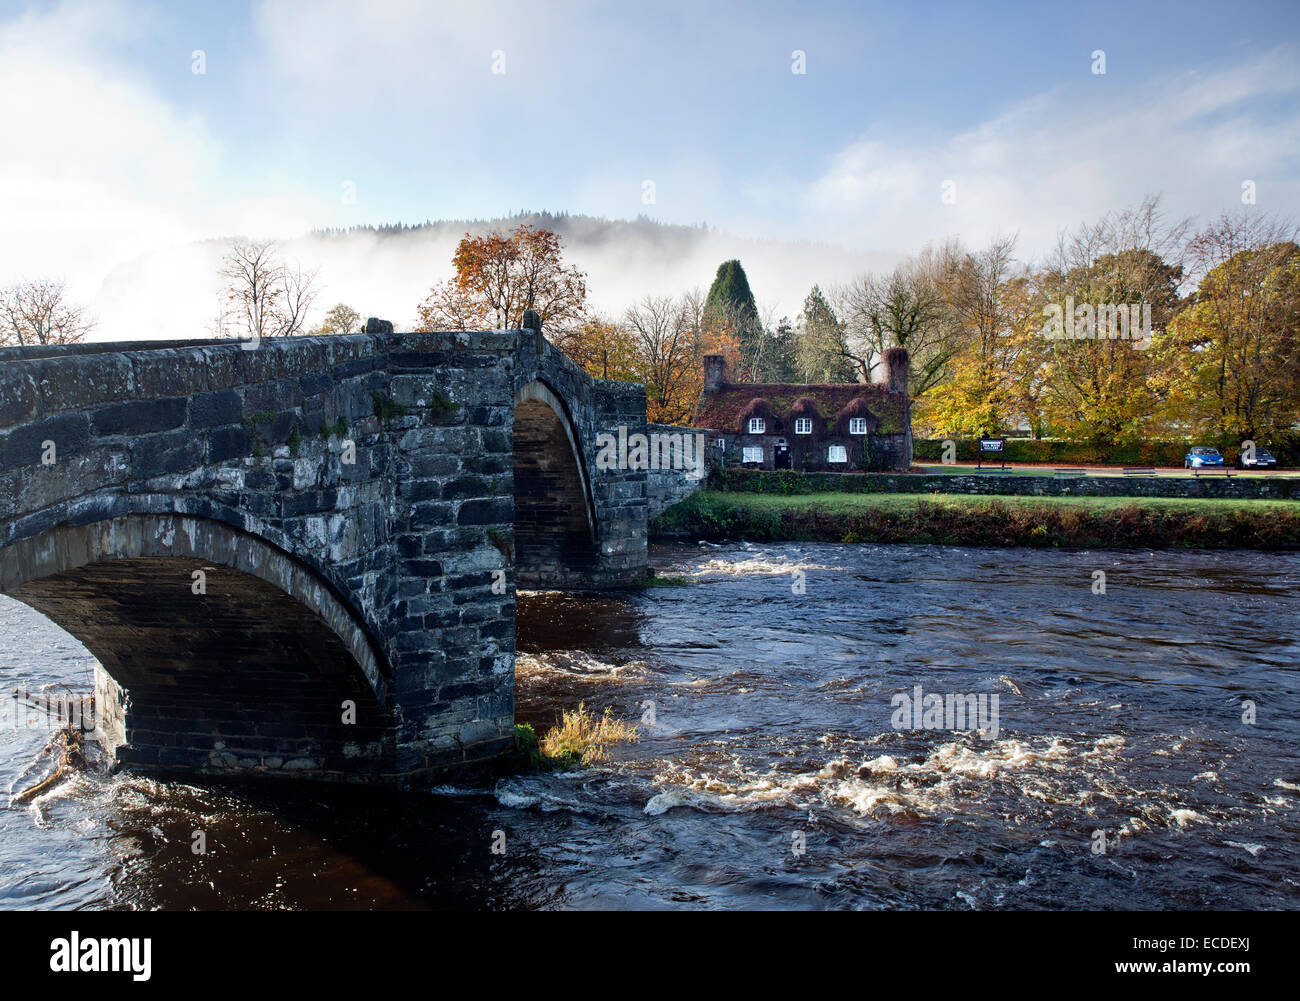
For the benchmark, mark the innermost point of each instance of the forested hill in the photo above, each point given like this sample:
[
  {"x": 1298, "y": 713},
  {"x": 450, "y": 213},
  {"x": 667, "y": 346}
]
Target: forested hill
[{"x": 387, "y": 269}]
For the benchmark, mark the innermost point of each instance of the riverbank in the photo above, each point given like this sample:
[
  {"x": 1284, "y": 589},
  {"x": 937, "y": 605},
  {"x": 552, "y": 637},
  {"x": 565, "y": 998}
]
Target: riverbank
[
  {"x": 972, "y": 520},
  {"x": 1020, "y": 483}
]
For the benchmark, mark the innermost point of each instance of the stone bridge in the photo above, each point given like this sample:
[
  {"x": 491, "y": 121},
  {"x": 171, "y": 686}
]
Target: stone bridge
[{"x": 302, "y": 558}]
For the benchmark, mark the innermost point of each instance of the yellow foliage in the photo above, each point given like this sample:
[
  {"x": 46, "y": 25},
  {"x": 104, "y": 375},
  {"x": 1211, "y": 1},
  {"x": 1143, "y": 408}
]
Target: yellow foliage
[{"x": 587, "y": 737}]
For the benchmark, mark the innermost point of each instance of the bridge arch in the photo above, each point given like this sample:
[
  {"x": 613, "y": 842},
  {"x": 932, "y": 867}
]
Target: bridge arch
[
  {"x": 219, "y": 653},
  {"x": 556, "y": 527},
  {"x": 376, "y": 475}
]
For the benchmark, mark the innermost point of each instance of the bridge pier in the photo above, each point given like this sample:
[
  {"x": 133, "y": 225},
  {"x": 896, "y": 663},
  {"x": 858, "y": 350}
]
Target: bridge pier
[{"x": 358, "y": 510}]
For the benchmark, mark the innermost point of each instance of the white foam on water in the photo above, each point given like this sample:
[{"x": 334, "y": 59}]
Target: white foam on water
[
  {"x": 759, "y": 566},
  {"x": 516, "y": 800},
  {"x": 575, "y": 664},
  {"x": 1254, "y": 850},
  {"x": 454, "y": 791},
  {"x": 1049, "y": 770},
  {"x": 711, "y": 793},
  {"x": 532, "y": 794},
  {"x": 884, "y": 763},
  {"x": 670, "y": 798}
]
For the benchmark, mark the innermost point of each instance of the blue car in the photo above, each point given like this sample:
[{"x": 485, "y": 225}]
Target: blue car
[{"x": 1203, "y": 457}]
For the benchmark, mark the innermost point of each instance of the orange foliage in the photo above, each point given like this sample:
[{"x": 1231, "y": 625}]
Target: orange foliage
[
  {"x": 499, "y": 276},
  {"x": 604, "y": 349}
]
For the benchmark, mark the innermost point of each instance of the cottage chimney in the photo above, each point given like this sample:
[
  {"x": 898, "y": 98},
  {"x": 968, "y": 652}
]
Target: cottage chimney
[
  {"x": 715, "y": 372},
  {"x": 897, "y": 365}
]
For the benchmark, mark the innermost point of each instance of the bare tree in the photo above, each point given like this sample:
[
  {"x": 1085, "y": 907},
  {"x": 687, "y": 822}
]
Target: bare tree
[
  {"x": 297, "y": 293},
  {"x": 663, "y": 328},
  {"x": 267, "y": 298},
  {"x": 1227, "y": 236},
  {"x": 976, "y": 295},
  {"x": 37, "y": 312},
  {"x": 1140, "y": 228},
  {"x": 911, "y": 307}
]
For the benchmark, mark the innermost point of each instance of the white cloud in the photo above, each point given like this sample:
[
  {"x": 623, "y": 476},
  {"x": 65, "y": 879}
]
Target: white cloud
[
  {"x": 115, "y": 187},
  {"x": 96, "y": 166},
  {"x": 100, "y": 169},
  {"x": 1075, "y": 154}
]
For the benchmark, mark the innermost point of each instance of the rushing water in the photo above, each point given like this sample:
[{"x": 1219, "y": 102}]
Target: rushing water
[{"x": 772, "y": 776}]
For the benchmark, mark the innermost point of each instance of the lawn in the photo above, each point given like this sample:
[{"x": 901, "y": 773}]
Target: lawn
[
  {"x": 857, "y": 503},
  {"x": 966, "y": 469}
]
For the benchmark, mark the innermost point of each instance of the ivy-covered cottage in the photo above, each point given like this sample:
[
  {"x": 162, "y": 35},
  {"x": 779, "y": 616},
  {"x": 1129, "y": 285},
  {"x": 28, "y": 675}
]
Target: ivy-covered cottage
[{"x": 833, "y": 427}]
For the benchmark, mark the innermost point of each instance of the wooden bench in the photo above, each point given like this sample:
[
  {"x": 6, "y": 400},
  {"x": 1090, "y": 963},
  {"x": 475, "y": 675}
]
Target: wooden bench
[
  {"x": 1139, "y": 471},
  {"x": 1072, "y": 471},
  {"x": 1198, "y": 471}
]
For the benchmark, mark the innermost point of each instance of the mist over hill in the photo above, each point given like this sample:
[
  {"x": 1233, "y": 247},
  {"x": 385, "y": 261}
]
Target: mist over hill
[{"x": 386, "y": 270}]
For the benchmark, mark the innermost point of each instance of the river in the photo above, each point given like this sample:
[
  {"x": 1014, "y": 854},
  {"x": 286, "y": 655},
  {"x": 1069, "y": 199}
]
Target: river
[{"x": 1122, "y": 769}]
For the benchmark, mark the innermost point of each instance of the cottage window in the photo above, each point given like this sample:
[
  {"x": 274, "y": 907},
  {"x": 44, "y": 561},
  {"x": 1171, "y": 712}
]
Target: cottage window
[
  {"x": 757, "y": 425},
  {"x": 857, "y": 425},
  {"x": 836, "y": 453},
  {"x": 751, "y": 454},
  {"x": 722, "y": 443},
  {"x": 803, "y": 425}
]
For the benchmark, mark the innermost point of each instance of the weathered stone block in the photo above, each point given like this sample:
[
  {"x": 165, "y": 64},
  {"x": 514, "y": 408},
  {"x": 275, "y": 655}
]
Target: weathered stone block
[
  {"x": 160, "y": 454},
  {"x": 25, "y": 445},
  {"x": 224, "y": 406},
  {"x": 499, "y": 510},
  {"x": 138, "y": 417}
]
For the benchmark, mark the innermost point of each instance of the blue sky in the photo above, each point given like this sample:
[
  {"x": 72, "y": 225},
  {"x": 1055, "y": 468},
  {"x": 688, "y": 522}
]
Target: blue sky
[{"x": 302, "y": 101}]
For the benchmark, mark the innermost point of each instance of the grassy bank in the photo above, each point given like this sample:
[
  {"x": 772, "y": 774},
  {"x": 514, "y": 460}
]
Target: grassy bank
[
  {"x": 1028, "y": 482},
  {"x": 976, "y": 520}
]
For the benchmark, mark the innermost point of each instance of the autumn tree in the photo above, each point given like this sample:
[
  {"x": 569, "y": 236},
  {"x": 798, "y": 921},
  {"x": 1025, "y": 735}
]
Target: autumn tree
[
  {"x": 1104, "y": 388},
  {"x": 669, "y": 357},
  {"x": 605, "y": 349},
  {"x": 499, "y": 276},
  {"x": 1237, "y": 344},
  {"x": 39, "y": 312},
  {"x": 341, "y": 319},
  {"x": 979, "y": 395},
  {"x": 264, "y": 296}
]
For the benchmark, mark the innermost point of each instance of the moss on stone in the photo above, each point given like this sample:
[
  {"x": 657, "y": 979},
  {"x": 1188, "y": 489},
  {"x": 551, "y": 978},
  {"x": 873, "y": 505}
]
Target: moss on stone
[{"x": 385, "y": 407}]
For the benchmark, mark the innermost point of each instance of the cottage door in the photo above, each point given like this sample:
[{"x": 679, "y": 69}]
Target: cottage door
[{"x": 781, "y": 457}]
